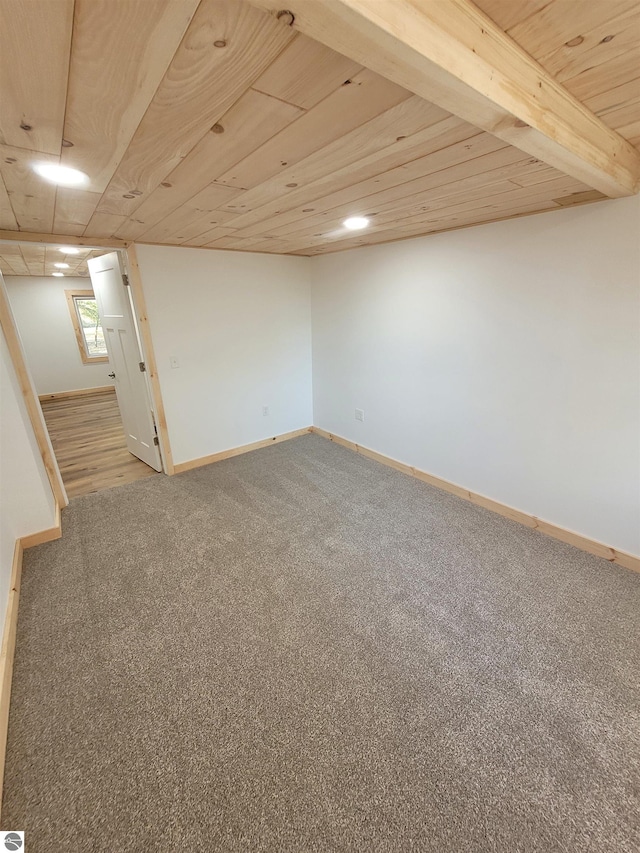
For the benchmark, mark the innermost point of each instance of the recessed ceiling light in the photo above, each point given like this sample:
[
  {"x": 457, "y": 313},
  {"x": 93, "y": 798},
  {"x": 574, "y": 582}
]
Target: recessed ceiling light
[
  {"x": 354, "y": 223},
  {"x": 69, "y": 250},
  {"x": 58, "y": 274},
  {"x": 60, "y": 174},
  {"x": 62, "y": 266}
]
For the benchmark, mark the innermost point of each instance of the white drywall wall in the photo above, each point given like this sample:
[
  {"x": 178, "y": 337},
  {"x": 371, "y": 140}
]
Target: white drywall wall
[
  {"x": 504, "y": 358},
  {"x": 27, "y": 504},
  {"x": 42, "y": 316},
  {"x": 239, "y": 325}
]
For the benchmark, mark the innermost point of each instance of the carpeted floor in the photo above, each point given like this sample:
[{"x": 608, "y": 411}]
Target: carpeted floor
[{"x": 302, "y": 650}]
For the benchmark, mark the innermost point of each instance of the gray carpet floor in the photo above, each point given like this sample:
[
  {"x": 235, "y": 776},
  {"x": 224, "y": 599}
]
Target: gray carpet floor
[{"x": 302, "y": 650}]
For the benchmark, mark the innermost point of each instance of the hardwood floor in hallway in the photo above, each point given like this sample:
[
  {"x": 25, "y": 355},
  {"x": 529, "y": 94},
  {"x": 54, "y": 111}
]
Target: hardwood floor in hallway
[{"x": 89, "y": 443}]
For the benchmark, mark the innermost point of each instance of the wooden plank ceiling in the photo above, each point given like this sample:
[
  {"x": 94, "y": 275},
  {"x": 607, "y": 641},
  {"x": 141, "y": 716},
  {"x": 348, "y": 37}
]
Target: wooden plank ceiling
[
  {"x": 211, "y": 123},
  {"x": 35, "y": 260}
]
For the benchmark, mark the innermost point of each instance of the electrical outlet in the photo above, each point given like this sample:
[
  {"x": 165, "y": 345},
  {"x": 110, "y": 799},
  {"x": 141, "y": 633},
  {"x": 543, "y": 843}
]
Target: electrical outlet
[
  {"x": 173, "y": 361},
  {"x": 360, "y": 415},
  {"x": 265, "y": 411}
]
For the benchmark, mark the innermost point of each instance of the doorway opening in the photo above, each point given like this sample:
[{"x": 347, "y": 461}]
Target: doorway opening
[{"x": 76, "y": 318}]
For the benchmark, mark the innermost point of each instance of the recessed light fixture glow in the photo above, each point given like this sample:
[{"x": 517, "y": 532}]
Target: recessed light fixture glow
[
  {"x": 62, "y": 266},
  {"x": 69, "y": 250},
  {"x": 63, "y": 175},
  {"x": 355, "y": 223},
  {"x": 58, "y": 274}
]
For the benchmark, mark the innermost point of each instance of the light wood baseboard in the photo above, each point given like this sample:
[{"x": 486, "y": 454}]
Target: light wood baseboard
[
  {"x": 613, "y": 555},
  {"x": 81, "y": 392},
  {"x": 180, "y": 467},
  {"x": 7, "y": 650}
]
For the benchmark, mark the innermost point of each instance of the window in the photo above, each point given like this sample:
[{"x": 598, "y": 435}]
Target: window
[{"x": 86, "y": 324}]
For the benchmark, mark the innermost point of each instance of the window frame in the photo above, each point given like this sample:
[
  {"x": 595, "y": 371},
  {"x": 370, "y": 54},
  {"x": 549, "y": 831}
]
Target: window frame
[{"x": 72, "y": 295}]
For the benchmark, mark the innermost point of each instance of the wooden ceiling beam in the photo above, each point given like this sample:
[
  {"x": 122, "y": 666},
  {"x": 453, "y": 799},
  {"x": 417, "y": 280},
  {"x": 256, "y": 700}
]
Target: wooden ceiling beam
[
  {"x": 62, "y": 239},
  {"x": 450, "y": 53}
]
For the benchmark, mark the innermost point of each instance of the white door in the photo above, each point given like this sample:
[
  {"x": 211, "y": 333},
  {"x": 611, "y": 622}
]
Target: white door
[{"x": 121, "y": 339}]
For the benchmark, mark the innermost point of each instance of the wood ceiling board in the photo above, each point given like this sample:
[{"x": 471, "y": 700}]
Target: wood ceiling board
[
  {"x": 51, "y": 258},
  {"x": 206, "y": 237},
  {"x": 5, "y": 267},
  {"x": 393, "y": 216},
  {"x": 515, "y": 203},
  {"x": 306, "y": 72},
  {"x": 474, "y": 218},
  {"x": 423, "y": 230},
  {"x": 178, "y": 225},
  {"x": 250, "y": 122},
  {"x": 502, "y": 193},
  {"x": 201, "y": 84},
  {"x": 206, "y": 228},
  {"x": 73, "y": 210},
  {"x": 608, "y": 40},
  {"x": 35, "y": 39},
  {"x": 602, "y": 79},
  {"x": 30, "y": 259},
  {"x": 77, "y": 263},
  {"x": 502, "y": 202},
  {"x": 104, "y": 225},
  {"x": 443, "y": 135},
  {"x": 453, "y": 55},
  {"x": 623, "y": 116},
  {"x": 431, "y": 186},
  {"x": 231, "y": 242},
  {"x": 442, "y": 165},
  {"x": 11, "y": 257},
  {"x": 347, "y": 108},
  {"x": 394, "y": 201},
  {"x": 506, "y": 13},
  {"x": 559, "y": 21},
  {"x": 32, "y": 198},
  {"x": 33, "y": 257},
  {"x": 542, "y": 174},
  {"x": 616, "y": 97},
  {"x": 7, "y": 217},
  {"x": 393, "y": 137},
  {"x": 78, "y": 258},
  {"x": 80, "y": 269},
  {"x": 111, "y": 87}
]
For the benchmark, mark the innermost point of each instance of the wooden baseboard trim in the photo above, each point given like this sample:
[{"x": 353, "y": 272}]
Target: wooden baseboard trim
[
  {"x": 613, "y": 555},
  {"x": 81, "y": 392},
  {"x": 7, "y": 650},
  {"x": 181, "y": 467},
  {"x": 7, "y": 653}
]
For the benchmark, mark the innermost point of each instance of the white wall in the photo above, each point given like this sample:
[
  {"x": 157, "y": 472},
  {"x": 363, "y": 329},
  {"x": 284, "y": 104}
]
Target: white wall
[
  {"x": 27, "y": 504},
  {"x": 43, "y": 319},
  {"x": 240, "y": 326},
  {"x": 504, "y": 358}
]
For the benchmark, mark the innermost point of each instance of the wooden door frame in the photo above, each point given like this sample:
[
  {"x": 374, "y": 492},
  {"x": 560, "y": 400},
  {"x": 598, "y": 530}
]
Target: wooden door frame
[
  {"x": 128, "y": 252},
  {"x": 32, "y": 403},
  {"x": 148, "y": 354}
]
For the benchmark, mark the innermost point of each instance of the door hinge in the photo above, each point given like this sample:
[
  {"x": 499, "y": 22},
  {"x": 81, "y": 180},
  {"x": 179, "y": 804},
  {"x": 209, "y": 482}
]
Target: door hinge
[
  {"x": 125, "y": 279},
  {"x": 142, "y": 366},
  {"x": 156, "y": 440}
]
